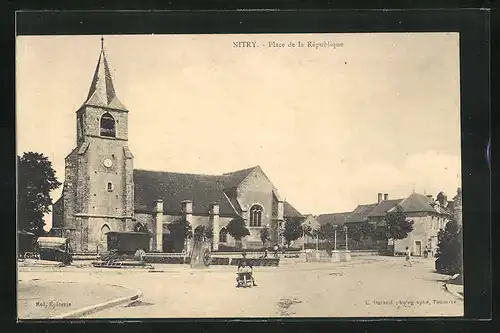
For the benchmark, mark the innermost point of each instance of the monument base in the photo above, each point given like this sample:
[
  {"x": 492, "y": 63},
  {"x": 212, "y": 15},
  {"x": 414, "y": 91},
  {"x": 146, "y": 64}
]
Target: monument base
[
  {"x": 335, "y": 256},
  {"x": 345, "y": 255}
]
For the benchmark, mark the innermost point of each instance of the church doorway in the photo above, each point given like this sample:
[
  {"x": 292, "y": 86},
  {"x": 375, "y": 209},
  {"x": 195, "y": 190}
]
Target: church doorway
[{"x": 103, "y": 240}]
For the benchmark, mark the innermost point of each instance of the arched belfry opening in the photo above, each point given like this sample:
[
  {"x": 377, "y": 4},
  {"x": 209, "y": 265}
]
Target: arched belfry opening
[{"x": 108, "y": 126}]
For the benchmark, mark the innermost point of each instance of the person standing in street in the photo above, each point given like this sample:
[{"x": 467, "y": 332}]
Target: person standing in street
[{"x": 408, "y": 257}]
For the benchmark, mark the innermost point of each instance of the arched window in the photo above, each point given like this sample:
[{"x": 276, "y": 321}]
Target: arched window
[
  {"x": 223, "y": 235},
  {"x": 140, "y": 228},
  {"x": 108, "y": 125},
  {"x": 255, "y": 216}
]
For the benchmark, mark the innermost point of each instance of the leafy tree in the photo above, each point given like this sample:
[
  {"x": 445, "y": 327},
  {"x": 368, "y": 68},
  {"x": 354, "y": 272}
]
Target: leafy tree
[
  {"x": 449, "y": 251},
  {"x": 360, "y": 231},
  {"x": 306, "y": 231},
  {"x": 265, "y": 235},
  {"x": 395, "y": 225},
  {"x": 237, "y": 229},
  {"x": 293, "y": 230},
  {"x": 36, "y": 178},
  {"x": 180, "y": 231},
  {"x": 208, "y": 232},
  {"x": 442, "y": 199},
  {"x": 327, "y": 233}
]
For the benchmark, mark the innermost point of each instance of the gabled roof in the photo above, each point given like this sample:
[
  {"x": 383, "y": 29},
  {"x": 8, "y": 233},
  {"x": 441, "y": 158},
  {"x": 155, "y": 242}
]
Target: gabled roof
[
  {"x": 233, "y": 179},
  {"x": 311, "y": 221},
  {"x": 102, "y": 92},
  {"x": 333, "y": 218},
  {"x": 417, "y": 203},
  {"x": 360, "y": 213},
  {"x": 383, "y": 207},
  {"x": 290, "y": 211}
]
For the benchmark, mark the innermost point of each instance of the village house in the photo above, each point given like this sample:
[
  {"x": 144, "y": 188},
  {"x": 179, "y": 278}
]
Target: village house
[
  {"x": 103, "y": 192},
  {"x": 429, "y": 215}
]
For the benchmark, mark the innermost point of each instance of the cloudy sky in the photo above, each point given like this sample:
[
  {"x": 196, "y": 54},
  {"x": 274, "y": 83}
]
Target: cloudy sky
[{"x": 331, "y": 127}]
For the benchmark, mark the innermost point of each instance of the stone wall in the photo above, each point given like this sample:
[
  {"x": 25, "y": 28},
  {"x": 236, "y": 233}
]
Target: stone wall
[{"x": 92, "y": 121}]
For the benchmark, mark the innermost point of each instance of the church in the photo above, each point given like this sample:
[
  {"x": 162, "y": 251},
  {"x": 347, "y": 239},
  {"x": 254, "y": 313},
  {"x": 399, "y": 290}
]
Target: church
[{"x": 102, "y": 191}]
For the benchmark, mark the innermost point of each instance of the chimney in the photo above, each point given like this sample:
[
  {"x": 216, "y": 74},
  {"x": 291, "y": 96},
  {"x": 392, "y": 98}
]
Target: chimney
[
  {"x": 386, "y": 196},
  {"x": 379, "y": 197}
]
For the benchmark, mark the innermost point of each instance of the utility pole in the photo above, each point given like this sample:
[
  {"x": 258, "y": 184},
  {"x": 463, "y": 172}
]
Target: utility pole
[{"x": 335, "y": 243}]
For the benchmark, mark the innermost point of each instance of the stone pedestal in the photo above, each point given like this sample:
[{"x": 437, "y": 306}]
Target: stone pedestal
[
  {"x": 345, "y": 255},
  {"x": 197, "y": 255},
  {"x": 335, "y": 256}
]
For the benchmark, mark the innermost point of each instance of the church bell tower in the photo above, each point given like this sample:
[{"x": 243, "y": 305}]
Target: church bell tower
[{"x": 98, "y": 188}]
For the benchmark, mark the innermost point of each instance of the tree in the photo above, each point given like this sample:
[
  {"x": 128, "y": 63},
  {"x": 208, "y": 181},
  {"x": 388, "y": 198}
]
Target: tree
[
  {"x": 237, "y": 229},
  {"x": 208, "y": 232},
  {"x": 449, "y": 249},
  {"x": 327, "y": 233},
  {"x": 306, "y": 231},
  {"x": 36, "y": 178},
  {"x": 180, "y": 231},
  {"x": 293, "y": 230},
  {"x": 360, "y": 231},
  {"x": 396, "y": 225},
  {"x": 264, "y": 235},
  {"x": 442, "y": 199}
]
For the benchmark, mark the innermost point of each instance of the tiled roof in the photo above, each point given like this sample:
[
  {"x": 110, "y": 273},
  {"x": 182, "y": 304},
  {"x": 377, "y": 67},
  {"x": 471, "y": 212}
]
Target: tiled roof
[
  {"x": 383, "y": 207},
  {"x": 102, "y": 92},
  {"x": 203, "y": 190},
  {"x": 360, "y": 213},
  {"x": 173, "y": 188},
  {"x": 333, "y": 218},
  {"x": 417, "y": 203}
]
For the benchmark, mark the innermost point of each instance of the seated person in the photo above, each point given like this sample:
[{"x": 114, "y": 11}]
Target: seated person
[{"x": 245, "y": 270}]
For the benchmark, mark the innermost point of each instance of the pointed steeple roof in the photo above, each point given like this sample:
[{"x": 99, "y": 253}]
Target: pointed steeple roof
[{"x": 102, "y": 92}]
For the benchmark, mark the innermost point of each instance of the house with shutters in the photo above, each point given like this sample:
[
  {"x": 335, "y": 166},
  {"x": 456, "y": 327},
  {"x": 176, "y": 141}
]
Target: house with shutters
[
  {"x": 429, "y": 215},
  {"x": 102, "y": 191}
]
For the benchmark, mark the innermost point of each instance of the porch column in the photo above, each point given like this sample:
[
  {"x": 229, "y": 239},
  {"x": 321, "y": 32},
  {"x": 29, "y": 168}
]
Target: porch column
[
  {"x": 187, "y": 212},
  {"x": 280, "y": 221},
  {"x": 158, "y": 225},
  {"x": 214, "y": 217}
]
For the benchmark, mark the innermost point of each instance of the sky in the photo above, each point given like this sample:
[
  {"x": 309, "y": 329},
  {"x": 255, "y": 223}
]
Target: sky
[{"x": 331, "y": 127}]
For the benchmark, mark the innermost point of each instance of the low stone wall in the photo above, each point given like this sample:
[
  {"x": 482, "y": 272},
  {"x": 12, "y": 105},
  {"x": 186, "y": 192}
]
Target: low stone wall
[
  {"x": 360, "y": 253},
  {"x": 258, "y": 262},
  {"x": 178, "y": 258},
  {"x": 323, "y": 256}
]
